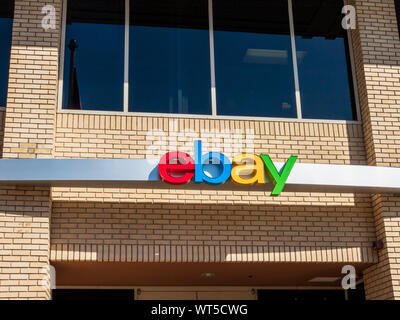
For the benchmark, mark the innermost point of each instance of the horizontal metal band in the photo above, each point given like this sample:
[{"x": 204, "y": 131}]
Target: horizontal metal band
[{"x": 141, "y": 173}]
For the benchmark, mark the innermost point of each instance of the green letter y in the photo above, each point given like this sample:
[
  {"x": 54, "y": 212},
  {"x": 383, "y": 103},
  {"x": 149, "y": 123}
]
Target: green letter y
[{"x": 278, "y": 179}]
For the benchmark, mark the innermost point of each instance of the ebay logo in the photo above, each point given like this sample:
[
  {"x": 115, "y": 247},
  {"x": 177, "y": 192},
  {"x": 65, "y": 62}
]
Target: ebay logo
[{"x": 213, "y": 168}]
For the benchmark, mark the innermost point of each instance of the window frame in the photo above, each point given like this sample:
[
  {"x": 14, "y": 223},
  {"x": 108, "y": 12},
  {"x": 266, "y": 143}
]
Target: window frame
[{"x": 213, "y": 93}]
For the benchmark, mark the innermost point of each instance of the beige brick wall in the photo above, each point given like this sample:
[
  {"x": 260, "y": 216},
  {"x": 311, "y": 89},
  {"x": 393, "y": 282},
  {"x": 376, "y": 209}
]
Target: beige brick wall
[
  {"x": 105, "y": 224},
  {"x": 32, "y": 88},
  {"x": 24, "y": 242},
  {"x": 118, "y": 136},
  {"x": 383, "y": 279},
  {"x": 29, "y": 128},
  {"x": 306, "y": 228},
  {"x": 376, "y": 44},
  {"x": 2, "y": 120}
]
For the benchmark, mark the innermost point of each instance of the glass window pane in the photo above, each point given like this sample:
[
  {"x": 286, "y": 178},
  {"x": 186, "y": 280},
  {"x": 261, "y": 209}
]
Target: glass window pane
[
  {"x": 254, "y": 70},
  {"x": 94, "y": 55},
  {"x": 169, "y": 67},
  {"x": 323, "y": 60},
  {"x": 6, "y": 19}
]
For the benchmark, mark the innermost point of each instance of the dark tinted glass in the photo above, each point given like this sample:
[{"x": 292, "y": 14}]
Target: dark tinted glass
[
  {"x": 6, "y": 19},
  {"x": 254, "y": 70},
  {"x": 169, "y": 62},
  {"x": 94, "y": 73},
  {"x": 323, "y": 60}
]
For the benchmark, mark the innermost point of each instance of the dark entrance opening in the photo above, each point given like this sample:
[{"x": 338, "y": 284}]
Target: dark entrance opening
[
  {"x": 318, "y": 295},
  {"x": 301, "y": 295},
  {"x": 93, "y": 295}
]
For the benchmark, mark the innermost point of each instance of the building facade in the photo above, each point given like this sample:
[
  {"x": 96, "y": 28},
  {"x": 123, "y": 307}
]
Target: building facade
[{"x": 137, "y": 79}]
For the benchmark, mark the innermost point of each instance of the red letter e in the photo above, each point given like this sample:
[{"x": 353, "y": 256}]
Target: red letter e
[{"x": 176, "y": 168}]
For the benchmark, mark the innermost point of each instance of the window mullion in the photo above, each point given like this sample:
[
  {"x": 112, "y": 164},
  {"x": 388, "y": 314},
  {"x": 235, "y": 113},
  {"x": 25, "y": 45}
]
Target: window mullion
[
  {"x": 62, "y": 55},
  {"x": 294, "y": 58},
  {"x": 212, "y": 59},
  {"x": 126, "y": 58}
]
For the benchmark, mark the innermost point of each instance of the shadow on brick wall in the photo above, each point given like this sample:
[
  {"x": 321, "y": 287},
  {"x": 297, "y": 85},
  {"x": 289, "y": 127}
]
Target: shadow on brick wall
[
  {"x": 355, "y": 147},
  {"x": 286, "y": 226},
  {"x": 2, "y": 123}
]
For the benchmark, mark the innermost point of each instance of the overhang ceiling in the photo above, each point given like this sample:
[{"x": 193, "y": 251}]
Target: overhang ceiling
[{"x": 192, "y": 274}]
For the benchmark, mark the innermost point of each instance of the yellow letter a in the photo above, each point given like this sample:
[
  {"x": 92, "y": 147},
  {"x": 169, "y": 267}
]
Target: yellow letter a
[{"x": 247, "y": 170}]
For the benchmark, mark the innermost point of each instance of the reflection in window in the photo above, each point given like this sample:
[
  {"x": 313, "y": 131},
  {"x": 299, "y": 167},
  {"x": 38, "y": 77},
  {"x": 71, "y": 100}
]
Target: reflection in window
[
  {"x": 6, "y": 19},
  {"x": 323, "y": 60},
  {"x": 94, "y": 55},
  {"x": 169, "y": 63},
  {"x": 169, "y": 58},
  {"x": 254, "y": 70}
]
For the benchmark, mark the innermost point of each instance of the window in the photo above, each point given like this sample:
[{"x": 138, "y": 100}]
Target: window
[
  {"x": 257, "y": 58},
  {"x": 323, "y": 60},
  {"x": 253, "y": 59},
  {"x": 169, "y": 57},
  {"x": 94, "y": 55},
  {"x": 6, "y": 21}
]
